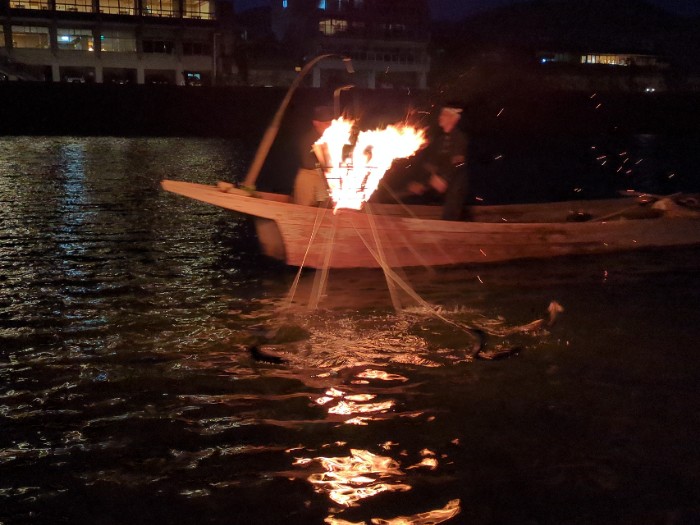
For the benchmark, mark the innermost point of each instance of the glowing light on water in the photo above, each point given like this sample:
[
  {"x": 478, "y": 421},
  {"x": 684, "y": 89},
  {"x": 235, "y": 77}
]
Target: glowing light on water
[
  {"x": 432, "y": 517},
  {"x": 348, "y": 405},
  {"x": 430, "y": 463},
  {"x": 353, "y": 176},
  {"x": 380, "y": 374},
  {"x": 361, "y": 475}
]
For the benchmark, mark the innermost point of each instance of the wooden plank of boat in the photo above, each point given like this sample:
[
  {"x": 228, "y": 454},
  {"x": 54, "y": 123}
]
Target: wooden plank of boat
[{"x": 413, "y": 236}]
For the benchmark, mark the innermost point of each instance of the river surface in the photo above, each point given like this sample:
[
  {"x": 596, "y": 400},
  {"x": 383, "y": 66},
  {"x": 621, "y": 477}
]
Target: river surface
[{"x": 128, "y": 393}]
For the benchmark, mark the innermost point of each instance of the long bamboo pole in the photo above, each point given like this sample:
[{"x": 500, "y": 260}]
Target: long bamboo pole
[{"x": 273, "y": 128}]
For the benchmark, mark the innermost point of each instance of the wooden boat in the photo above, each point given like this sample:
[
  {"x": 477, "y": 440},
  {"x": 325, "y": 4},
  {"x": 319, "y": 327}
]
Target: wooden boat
[{"x": 404, "y": 236}]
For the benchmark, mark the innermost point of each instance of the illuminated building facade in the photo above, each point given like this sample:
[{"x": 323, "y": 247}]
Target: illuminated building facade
[
  {"x": 120, "y": 41},
  {"x": 607, "y": 70},
  {"x": 618, "y": 59},
  {"x": 606, "y": 59},
  {"x": 387, "y": 39}
]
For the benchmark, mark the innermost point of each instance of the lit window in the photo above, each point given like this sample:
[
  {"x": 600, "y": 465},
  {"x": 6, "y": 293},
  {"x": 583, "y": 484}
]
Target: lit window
[
  {"x": 192, "y": 78},
  {"x": 117, "y": 7},
  {"x": 118, "y": 41},
  {"x": 322, "y": 4},
  {"x": 166, "y": 8},
  {"x": 29, "y": 4},
  {"x": 75, "y": 39},
  {"x": 76, "y": 6},
  {"x": 284, "y": 4},
  {"x": 30, "y": 37},
  {"x": 332, "y": 26},
  {"x": 610, "y": 60},
  {"x": 203, "y": 9}
]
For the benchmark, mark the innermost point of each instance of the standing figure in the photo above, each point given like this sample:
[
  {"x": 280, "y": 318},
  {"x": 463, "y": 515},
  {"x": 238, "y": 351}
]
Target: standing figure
[
  {"x": 446, "y": 165},
  {"x": 310, "y": 186}
]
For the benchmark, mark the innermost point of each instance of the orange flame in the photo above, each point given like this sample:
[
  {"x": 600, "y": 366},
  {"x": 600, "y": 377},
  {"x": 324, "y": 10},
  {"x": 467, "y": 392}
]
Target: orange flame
[{"x": 353, "y": 177}]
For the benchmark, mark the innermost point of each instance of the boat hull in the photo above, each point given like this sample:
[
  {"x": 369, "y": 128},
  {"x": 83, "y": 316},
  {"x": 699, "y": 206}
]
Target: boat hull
[{"x": 319, "y": 238}]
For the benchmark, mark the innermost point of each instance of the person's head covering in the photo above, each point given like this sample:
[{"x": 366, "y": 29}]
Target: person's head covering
[{"x": 323, "y": 113}]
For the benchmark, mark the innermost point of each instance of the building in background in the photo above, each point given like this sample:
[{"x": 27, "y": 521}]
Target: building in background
[
  {"x": 604, "y": 71},
  {"x": 387, "y": 39},
  {"x": 111, "y": 41}
]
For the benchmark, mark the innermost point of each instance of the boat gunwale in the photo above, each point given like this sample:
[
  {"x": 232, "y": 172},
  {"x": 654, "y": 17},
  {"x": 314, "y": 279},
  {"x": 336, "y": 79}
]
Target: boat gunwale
[
  {"x": 316, "y": 237},
  {"x": 269, "y": 205}
]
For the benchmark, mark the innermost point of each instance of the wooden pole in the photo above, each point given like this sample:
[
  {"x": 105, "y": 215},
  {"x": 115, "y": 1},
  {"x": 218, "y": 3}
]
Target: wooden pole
[{"x": 273, "y": 128}]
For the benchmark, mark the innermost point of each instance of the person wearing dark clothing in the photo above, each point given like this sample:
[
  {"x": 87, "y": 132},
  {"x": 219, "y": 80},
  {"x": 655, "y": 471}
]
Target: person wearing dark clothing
[
  {"x": 446, "y": 166},
  {"x": 310, "y": 187}
]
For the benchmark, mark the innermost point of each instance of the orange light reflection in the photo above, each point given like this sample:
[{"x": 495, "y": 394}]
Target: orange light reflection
[
  {"x": 348, "y": 405},
  {"x": 432, "y": 517},
  {"x": 361, "y": 475},
  {"x": 378, "y": 374}
]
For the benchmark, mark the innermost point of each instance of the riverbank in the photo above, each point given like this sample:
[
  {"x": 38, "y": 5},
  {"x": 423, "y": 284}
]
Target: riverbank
[{"x": 163, "y": 110}]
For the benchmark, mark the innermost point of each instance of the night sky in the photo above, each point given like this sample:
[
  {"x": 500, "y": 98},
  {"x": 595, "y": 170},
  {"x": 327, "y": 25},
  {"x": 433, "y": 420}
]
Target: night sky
[{"x": 455, "y": 9}]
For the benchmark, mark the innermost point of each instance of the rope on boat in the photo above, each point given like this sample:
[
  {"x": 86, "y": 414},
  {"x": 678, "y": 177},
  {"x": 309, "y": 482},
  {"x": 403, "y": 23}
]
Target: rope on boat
[
  {"x": 321, "y": 278},
  {"x": 413, "y": 251},
  {"x": 390, "y": 273},
  {"x": 408, "y": 210},
  {"x": 382, "y": 262},
  {"x": 320, "y": 214}
]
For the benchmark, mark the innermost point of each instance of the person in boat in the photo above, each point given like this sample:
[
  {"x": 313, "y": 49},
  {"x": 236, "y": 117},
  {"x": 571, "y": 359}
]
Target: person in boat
[
  {"x": 445, "y": 168},
  {"x": 310, "y": 186}
]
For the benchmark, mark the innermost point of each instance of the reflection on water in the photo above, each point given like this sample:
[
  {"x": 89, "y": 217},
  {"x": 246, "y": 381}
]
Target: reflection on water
[
  {"x": 128, "y": 393},
  {"x": 347, "y": 480},
  {"x": 360, "y": 475}
]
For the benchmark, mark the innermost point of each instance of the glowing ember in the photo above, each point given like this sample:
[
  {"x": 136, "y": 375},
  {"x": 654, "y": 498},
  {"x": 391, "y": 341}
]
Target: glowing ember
[{"x": 353, "y": 176}]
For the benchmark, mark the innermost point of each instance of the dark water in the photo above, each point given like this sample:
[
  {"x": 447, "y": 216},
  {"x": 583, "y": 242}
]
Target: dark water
[{"x": 127, "y": 394}]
